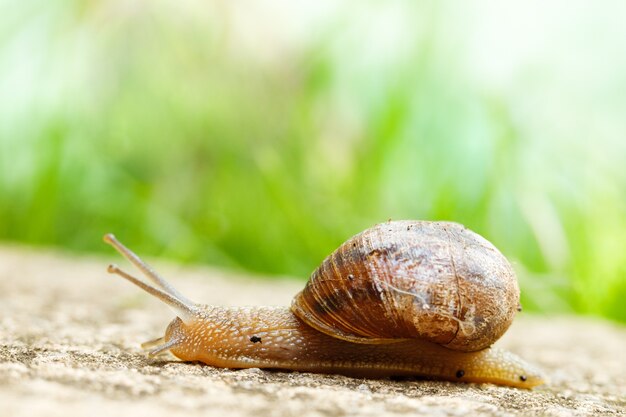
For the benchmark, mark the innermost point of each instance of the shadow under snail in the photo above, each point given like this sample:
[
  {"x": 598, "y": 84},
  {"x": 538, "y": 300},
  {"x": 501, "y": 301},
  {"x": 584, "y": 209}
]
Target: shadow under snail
[{"x": 403, "y": 298}]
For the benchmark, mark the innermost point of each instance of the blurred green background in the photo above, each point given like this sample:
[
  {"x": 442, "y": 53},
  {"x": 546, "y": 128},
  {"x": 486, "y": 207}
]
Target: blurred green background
[{"x": 261, "y": 135}]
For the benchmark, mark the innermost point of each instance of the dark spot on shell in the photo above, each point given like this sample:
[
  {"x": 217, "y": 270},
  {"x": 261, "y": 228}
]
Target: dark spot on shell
[
  {"x": 522, "y": 377},
  {"x": 255, "y": 339},
  {"x": 321, "y": 307},
  {"x": 460, "y": 373}
]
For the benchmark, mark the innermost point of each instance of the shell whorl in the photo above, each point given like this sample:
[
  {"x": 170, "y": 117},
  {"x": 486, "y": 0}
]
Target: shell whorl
[{"x": 437, "y": 281}]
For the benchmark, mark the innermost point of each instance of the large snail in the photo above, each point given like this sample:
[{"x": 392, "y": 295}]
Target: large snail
[{"x": 412, "y": 298}]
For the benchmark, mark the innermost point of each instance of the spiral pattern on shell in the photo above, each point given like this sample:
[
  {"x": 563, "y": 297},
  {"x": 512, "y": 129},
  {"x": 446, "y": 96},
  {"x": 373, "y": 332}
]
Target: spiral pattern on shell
[{"x": 437, "y": 281}]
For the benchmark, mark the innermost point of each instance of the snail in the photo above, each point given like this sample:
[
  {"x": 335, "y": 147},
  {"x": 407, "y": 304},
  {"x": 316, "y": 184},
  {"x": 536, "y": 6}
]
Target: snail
[{"x": 402, "y": 298}]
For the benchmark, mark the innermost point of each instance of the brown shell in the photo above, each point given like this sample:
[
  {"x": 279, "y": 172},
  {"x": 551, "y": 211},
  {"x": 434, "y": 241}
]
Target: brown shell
[{"x": 412, "y": 279}]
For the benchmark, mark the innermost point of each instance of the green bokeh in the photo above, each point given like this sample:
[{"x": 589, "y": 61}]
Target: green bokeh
[{"x": 165, "y": 124}]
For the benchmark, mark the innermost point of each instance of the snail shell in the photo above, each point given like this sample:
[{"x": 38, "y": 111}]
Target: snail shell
[{"x": 436, "y": 281}]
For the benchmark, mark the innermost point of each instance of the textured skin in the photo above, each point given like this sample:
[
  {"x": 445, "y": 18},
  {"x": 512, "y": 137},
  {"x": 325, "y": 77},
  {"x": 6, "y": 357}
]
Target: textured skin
[
  {"x": 273, "y": 337},
  {"x": 436, "y": 281}
]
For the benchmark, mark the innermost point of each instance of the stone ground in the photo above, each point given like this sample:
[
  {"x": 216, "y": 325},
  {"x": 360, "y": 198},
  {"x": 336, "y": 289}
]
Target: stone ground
[{"x": 70, "y": 334}]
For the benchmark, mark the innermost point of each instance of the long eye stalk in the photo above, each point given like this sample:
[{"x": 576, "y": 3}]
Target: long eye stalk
[
  {"x": 182, "y": 306},
  {"x": 146, "y": 269}
]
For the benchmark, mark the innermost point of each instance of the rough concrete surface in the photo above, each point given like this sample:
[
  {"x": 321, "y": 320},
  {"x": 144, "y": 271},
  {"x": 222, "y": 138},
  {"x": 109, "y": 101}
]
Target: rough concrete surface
[{"x": 70, "y": 334}]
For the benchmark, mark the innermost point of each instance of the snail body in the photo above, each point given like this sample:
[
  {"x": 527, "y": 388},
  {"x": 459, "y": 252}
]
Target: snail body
[{"x": 403, "y": 298}]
